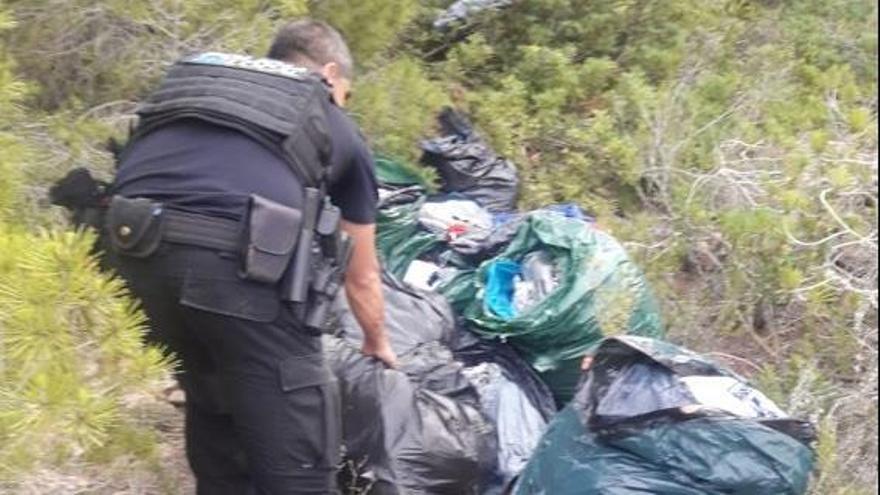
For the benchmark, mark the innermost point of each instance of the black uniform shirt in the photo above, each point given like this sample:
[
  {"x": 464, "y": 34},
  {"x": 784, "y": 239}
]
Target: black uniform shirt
[{"x": 199, "y": 167}]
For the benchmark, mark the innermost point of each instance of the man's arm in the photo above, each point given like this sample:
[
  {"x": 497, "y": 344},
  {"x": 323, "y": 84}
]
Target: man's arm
[{"x": 363, "y": 286}]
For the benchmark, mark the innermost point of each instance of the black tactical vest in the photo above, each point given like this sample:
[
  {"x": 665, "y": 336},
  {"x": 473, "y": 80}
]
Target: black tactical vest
[{"x": 280, "y": 105}]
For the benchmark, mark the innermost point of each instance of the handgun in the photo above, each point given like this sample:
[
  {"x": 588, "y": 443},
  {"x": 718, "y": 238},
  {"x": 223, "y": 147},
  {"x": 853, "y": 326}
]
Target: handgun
[
  {"x": 295, "y": 287},
  {"x": 328, "y": 280}
]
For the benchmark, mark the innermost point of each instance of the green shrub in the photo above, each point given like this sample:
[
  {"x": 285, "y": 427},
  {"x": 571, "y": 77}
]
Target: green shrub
[
  {"x": 73, "y": 362},
  {"x": 397, "y": 105}
]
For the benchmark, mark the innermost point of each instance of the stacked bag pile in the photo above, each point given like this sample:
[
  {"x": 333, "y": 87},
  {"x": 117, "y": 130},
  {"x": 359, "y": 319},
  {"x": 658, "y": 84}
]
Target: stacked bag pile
[
  {"x": 459, "y": 415},
  {"x": 491, "y": 311},
  {"x": 547, "y": 282}
]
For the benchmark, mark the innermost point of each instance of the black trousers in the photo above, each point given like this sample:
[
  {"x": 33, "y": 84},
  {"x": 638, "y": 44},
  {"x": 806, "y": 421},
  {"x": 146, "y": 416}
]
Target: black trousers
[{"x": 262, "y": 409}]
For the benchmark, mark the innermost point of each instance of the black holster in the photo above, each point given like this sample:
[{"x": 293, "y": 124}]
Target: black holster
[{"x": 83, "y": 195}]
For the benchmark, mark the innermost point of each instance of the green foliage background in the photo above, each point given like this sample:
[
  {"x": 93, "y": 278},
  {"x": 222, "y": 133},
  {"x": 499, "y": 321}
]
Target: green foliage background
[{"x": 732, "y": 145}]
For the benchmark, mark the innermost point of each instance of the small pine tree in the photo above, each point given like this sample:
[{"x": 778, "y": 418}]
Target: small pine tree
[{"x": 72, "y": 355}]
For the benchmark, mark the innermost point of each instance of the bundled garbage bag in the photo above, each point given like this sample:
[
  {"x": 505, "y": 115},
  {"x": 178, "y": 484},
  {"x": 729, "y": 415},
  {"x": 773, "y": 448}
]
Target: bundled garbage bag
[
  {"x": 417, "y": 429},
  {"x": 512, "y": 397},
  {"x": 410, "y": 250},
  {"x": 655, "y": 418},
  {"x": 435, "y": 242},
  {"x": 467, "y": 165},
  {"x": 472, "y": 350},
  {"x": 400, "y": 436},
  {"x": 599, "y": 292},
  {"x": 431, "y": 230},
  {"x": 412, "y": 317},
  {"x": 453, "y": 272}
]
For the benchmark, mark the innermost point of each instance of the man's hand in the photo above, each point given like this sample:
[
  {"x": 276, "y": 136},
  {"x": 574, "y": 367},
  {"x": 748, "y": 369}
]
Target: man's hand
[{"x": 381, "y": 351}]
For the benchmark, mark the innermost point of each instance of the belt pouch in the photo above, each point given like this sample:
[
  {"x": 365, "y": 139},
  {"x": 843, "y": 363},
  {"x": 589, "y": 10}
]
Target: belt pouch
[
  {"x": 134, "y": 226},
  {"x": 270, "y": 239}
]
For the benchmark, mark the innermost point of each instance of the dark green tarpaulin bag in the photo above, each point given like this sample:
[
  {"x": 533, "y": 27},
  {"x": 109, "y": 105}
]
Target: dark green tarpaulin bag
[
  {"x": 638, "y": 427},
  {"x": 393, "y": 174},
  {"x": 400, "y": 239},
  {"x": 601, "y": 292}
]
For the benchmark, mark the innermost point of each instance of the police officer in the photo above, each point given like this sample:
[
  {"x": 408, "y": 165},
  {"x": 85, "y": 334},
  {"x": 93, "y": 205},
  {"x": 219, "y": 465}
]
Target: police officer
[{"x": 242, "y": 179}]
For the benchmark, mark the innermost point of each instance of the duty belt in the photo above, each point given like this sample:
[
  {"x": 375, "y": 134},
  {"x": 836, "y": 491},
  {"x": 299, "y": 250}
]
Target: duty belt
[
  {"x": 301, "y": 250},
  {"x": 136, "y": 226},
  {"x": 201, "y": 230}
]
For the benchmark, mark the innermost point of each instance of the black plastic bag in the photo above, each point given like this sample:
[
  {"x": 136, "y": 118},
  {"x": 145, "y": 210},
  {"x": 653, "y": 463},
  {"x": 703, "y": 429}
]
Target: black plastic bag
[
  {"x": 512, "y": 397},
  {"x": 402, "y": 437},
  {"x": 412, "y": 317},
  {"x": 468, "y": 165},
  {"x": 473, "y": 350},
  {"x": 417, "y": 429}
]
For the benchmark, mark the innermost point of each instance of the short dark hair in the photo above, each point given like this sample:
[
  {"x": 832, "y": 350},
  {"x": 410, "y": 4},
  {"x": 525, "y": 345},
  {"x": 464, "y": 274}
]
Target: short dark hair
[{"x": 311, "y": 42}]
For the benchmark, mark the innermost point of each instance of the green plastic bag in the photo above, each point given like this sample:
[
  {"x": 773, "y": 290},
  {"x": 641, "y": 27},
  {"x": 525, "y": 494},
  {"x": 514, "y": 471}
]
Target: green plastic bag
[
  {"x": 400, "y": 240},
  {"x": 392, "y": 173},
  {"x": 460, "y": 291},
  {"x": 399, "y": 237},
  {"x": 571, "y": 460},
  {"x": 637, "y": 427},
  {"x": 600, "y": 292}
]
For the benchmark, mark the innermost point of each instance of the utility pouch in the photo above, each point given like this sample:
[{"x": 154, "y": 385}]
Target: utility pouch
[
  {"x": 134, "y": 226},
  {"x": 270, "y": 238}
]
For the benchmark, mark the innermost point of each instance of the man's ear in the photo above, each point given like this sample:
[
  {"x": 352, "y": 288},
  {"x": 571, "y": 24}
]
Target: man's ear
[{"x": 331, "y": 71}]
